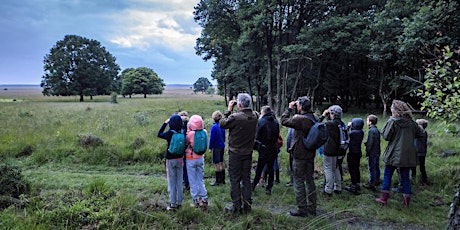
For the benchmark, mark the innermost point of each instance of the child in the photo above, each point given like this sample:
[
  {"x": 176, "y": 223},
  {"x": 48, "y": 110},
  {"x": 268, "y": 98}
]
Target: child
[
  {"x": 174, "y": 163},
  {"x": 195, "y": 164},
  {"x": 355, "y": 154},
  {"x": 184, "y": 116},
  {"x": 373, "y": 152},
  {"x": 217, "y": 146},
  {"x": 420, "y": 148}
]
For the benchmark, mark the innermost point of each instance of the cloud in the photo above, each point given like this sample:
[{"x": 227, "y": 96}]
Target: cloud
[{"x": 168, "y": 24}]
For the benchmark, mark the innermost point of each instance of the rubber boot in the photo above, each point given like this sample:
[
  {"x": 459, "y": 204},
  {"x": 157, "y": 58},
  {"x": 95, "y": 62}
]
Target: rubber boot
[
  {"x": 277, "y": 176},
  {"x": 217, "y": 182},
  {"x": 406, "y": 200},
  {"x": 384, "y": 197},
  {"x": 222, "y": 176}
]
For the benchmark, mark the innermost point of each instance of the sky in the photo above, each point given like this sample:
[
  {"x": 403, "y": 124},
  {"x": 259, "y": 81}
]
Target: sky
[{"x": 158, "y": 34}]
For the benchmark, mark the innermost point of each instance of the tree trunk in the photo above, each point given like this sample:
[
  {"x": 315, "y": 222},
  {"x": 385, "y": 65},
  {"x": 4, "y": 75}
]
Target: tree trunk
[
  {"x": 278, "y": 89},
  {"x": 145, "y": 95},
  {"x": 454, "y": 213},
  {"x": 81, "y": 97}
]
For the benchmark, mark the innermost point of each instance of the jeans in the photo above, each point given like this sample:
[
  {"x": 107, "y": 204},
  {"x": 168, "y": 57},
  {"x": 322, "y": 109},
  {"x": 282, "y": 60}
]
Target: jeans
[
  {"x": 174, "y": 173},
  {"x": 195, "y": 172},
  {"x": 374, "y": 169},
  {"x": 303, "y": 175},
  {"x": 332, "y": 173},
  {"x": 404, "y": 178},
  {"x": 239, "y": 170}
]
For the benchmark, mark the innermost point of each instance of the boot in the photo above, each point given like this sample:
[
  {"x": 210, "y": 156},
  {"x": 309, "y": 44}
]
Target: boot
[
  {"x": 222, "y": 176},
  {"x": 384, "y": 197},
  {"x": 217, "y": 182},
  {"x": 406, "y": 200},
  {"x": 277, "y": 176}
]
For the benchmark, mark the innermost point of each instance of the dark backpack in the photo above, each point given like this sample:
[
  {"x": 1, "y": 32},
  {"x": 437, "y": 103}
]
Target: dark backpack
[
  {"x": 200, "y": 142},
  {"x": 317, "y": 135},
  {"x": 344, "y": 137},
  {"x": 177, "y": 144}
]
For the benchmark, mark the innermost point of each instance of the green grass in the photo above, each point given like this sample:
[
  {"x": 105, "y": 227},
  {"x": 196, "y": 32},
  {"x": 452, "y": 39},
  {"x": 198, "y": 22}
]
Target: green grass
[{"x": 122, "y": 184}]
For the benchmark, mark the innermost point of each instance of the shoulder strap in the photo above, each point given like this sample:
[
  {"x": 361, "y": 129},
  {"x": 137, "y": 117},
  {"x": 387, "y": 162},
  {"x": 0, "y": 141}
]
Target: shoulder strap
[{"x": 311, "y": 118}]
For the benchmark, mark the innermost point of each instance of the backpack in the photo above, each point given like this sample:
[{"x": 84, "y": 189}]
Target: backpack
[
  {"x": 280, "y": 141},
  {"x": 344, "y": 137},
  {"x": 317, "y": 135},
  {"x": 200, "y": 142},
  {"x": 177, "y": 144}
]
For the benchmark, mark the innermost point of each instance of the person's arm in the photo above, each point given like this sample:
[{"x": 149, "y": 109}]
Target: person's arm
[
  {"x": 286, "y": 119},
  {"x": 388, "y": 131},
  {"x": 161, "y": 133},
  {"x": 370, "y": 141}
]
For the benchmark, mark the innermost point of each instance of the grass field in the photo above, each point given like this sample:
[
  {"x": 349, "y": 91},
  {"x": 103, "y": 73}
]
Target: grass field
[{"x": 122, "y": 184}]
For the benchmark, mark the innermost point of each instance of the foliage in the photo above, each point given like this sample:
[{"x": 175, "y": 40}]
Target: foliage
[
  {"x": 13, "y": 184},
  {"x": 441, "y": 91},
  {"x": 201, "y": 85},
  {"x": 142, "y": 80},
  {"x": 113, "y": 97},
  {"x": 78, "y": 66}
]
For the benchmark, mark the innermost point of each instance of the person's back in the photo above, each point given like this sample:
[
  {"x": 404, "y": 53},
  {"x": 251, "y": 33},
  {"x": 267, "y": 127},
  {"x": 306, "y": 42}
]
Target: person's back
[
  {"x": 242, "y": 130},
  {"x": 373, "y": 152},
  {"x": 354, "y": 154}
]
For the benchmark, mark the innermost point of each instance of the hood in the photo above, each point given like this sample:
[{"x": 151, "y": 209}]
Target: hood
[
  {"x": 402, "y": 122},
  {"x": 175, "y": 122},
  {"x": 195, "y": 123},
  {"x": 357, "y": 124},
  {"x": 269, "y": 116}
]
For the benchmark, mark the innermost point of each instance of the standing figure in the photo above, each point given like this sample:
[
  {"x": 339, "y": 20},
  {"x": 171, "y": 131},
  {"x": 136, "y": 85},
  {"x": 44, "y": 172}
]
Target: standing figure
[
  {"x": 303, "y": 158},
  {"x": 421, "y": 149},
  {"x": 242, "y": 129},
  {"x": 174, "y": 162},
  {"x": 289, "y": 145},
  {"x": 267, "y": 134},
  {"x": 217, "y": 147},
  {"x": 195, "y": 162},
  {"x": 373, "y": 152},
  {"x": 400, "y": 131},
  {"x": 184, "y": 116},
  {"x": 354, "y": 154}
]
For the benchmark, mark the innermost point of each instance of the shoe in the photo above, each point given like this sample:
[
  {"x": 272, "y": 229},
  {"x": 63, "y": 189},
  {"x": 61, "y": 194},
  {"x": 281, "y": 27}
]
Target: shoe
[
  {"x": 171, "y": 207},
  {"x": 369, "y": 186},
  {"x": 204, "y": 203},
  {"x": 289, "y": 184},
  {"x": 298, "y": 213},
  {"x": 352, "y": 188},
  {"x": 233, "y": 209},
  {"x": 195, "y": 203},
  {"x": 326, "y": 193},
  {"x": 246, "y": 209},
  {"x": 268, "y": 191}
]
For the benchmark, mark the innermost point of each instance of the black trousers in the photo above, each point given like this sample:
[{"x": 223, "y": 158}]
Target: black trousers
[{"x": 353, "y": 160}]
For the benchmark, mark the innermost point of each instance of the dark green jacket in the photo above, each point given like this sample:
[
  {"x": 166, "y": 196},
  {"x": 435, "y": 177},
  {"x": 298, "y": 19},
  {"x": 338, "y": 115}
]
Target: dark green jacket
[
  {"x": 400, "y": 134},
  {"x": 242, "y": 130}
]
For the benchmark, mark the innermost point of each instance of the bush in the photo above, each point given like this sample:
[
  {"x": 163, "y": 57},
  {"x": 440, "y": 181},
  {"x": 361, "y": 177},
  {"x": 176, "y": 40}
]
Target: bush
[
  {"x": 13, "y": 184},
  {"x": 113, "y": 97}
]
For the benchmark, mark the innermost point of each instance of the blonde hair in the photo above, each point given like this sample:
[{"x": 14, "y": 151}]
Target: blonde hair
[
  {"x": 217, "y": 115},
  {"x": 400, "y": 109},
  {"x": 422, "y": 122}
]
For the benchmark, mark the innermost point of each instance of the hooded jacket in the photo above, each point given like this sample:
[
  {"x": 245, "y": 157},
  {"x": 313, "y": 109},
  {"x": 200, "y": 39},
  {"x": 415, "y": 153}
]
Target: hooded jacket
[
  {"x": 175, "y": 123},
  {"x": 195, "y": 123},
  {"x": 267, "y": 133},
  {"x": 356, "y": 136},
  {"x": 400, "y": 134}
]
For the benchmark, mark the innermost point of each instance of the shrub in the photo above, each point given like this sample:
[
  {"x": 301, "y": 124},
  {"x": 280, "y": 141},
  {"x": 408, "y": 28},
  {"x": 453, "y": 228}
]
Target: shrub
[
  {"x": 90, "y": 141},
  {"x": 113, "y": 97},
  {"x": 13, "y": 184}
]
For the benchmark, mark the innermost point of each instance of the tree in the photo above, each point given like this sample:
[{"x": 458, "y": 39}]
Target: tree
[
  {"x": 441, "y": 91},
  {"x": 142, "y": 80},
  {"x": 201, "y": 85},
  {"x": 78, "y": 66}
]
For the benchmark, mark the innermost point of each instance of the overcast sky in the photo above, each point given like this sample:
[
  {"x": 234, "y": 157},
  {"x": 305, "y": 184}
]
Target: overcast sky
[{"x": 158, "y": 34}]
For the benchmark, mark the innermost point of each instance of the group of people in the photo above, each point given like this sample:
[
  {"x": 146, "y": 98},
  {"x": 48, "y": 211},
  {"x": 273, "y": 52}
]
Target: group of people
[{"x": 249, "y": 130}]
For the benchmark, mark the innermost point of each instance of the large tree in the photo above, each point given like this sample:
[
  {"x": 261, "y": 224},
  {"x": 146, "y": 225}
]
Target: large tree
[
  {"x": 201, "y": 85},
  {"x": 142, "y": 80},
  {"x": 78, "y": 66}
]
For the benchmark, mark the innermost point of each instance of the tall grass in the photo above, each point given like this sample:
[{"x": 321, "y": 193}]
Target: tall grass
[{"x": 122, "y": 184}]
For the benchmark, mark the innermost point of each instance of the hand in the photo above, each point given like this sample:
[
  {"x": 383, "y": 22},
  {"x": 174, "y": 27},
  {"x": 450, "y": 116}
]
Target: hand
[
  {"x": 349, "y": 124},
  {"x": 231, "y": 103},
  {"x": 326, "y": 111},
  {"x": 292, "y": 104},
  {"x": 167, "y": 121}
]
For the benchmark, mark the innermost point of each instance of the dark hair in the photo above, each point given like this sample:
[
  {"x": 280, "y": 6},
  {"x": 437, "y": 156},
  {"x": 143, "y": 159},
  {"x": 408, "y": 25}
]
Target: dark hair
[
  {"x": 373, "y": 119},
  {"x": 305, "y": 103}
]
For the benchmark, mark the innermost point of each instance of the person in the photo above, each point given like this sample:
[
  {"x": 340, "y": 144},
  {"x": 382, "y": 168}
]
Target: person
[
  {"x": 331, "y": 150},
  {"x": 267, "y": 134},
  {"x": 174, "y": 163},
  {"x": 195, "y": 164},
  {"x": 354, "y": 154},
  {"x": 289, "y": 145},
  {"x": 400, "y": 132},
  {"x": 303, "y": 158},
  {"x": 184, "y": 116},
  {"x": 242, "y": 130},
  {"x": 421, "y": 149},
  {"x": 217, "y": 147},
  {"x": 373, "y": 152}
]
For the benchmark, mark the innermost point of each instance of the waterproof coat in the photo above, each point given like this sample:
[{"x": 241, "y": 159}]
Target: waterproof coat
[
  {"x": 267, "y": 133},
  {"x": 400, "y": 134},
  {"x": 195, "y": 123},
  {"x": 175, "y": 123},
  {"x": 331, "y": 147},
  {"x": 301, "y": 125},
  {"x": 242, "y": 130},
  {"x": 356, "y": 136}
]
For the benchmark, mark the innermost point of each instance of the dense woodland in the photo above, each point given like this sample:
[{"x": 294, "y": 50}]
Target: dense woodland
[{"x": 355, "y": 53}]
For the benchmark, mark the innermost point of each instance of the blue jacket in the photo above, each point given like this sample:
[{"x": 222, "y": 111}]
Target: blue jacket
[
  {"x": 356, "y": 136},
  {"x": 217, "y": 138},
  {"x": 175, "y": 123}
]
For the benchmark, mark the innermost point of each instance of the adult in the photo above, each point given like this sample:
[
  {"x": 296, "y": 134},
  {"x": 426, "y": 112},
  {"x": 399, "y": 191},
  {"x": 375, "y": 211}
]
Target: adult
[
  {"x": 331, "y": 150},
  {"x": 267, "y": 134},
  {"x": 400, "y": 132},
  {"x": 303, "y": 158},
  {"x": 242, "y": 130}
]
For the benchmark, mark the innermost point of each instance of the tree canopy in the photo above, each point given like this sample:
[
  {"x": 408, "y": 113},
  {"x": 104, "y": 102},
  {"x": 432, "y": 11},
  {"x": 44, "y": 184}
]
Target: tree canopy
[
  {"x": 141, "y": 80},
  {"x": 78, "y": 66},
  {"x": 201, "y": 85},
  {"x": 348, "y": 52}
]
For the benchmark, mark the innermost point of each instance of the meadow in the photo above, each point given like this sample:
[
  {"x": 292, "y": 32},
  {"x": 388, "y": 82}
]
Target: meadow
[{"x": 121, "y": 184}]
